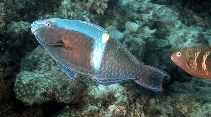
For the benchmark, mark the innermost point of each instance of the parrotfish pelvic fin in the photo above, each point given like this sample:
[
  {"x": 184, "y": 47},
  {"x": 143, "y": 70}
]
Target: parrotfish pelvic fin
[
  {"x": 151, "y": 78},
  {"x": 68, "y": 71}
]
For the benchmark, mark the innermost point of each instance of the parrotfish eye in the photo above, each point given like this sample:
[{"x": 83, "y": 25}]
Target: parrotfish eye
[
  {"x": 178, "y": 54},
  {"x": 48, "y": 24}
]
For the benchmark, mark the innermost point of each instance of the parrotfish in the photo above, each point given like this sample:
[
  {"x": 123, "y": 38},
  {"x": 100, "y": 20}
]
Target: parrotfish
[
  {"x": 88, "y": 49},
  {"x": 195, "y": 60}
]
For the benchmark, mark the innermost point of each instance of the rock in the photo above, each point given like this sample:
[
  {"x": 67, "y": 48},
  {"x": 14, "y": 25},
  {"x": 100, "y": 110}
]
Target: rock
[
  {"x": 131, "y": 26},
  {"x": 17, "y": 29}
]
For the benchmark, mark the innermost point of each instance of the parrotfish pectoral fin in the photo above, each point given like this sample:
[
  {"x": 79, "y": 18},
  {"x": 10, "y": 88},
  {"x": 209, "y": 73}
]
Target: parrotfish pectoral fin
[
  {"x": 59, "y": 44},
  {"x": 108, "y": 81},
  {"x": 55, "y": 44},
  {"x": 151, "y": 78}
]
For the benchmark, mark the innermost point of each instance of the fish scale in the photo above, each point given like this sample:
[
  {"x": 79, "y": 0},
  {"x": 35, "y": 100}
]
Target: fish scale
[
  {"x": 88, "y": 49},
  {"x": 119, "y": 62}
]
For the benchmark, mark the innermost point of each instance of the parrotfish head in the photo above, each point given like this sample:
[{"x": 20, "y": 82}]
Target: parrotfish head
[
  {"x": 184, "y": 58},
  {"x": 41, "y": 28},
  {"x": 45, "y": 30},
  {"x": 178, "y": 58}
]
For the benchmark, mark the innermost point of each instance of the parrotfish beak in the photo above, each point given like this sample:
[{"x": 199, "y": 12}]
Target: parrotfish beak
[
  {"x": 174, "y": 59},
  {"x": 37, "y": 24},
  {"x": 34, "y": 26}
]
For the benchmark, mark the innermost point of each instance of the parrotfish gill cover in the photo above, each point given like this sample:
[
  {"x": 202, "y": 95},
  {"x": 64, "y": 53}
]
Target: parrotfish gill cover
[{"x": 86, "y": 48}]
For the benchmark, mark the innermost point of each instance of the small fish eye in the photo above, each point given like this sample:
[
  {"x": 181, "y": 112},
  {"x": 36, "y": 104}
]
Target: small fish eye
[
  {"x": 178, "y": 54},
  {"x": 48, "y": 24}
]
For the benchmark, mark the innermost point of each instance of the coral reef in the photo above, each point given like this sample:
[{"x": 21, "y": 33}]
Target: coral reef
[
  {"x": 131, "y": 26},
  {"x": 74, "y": 10},
  {"x": 99, "y": 6},
  {"x": 2, "y": 15},
  {"x": 114, "y": 32},
  {"x": 36, "y": 86},
  {"x": 82, "y": 9},
  {"x": 17, "y": 29},
  {"x": 7, "y": 12},
  {"x": 103, "y": 101}
]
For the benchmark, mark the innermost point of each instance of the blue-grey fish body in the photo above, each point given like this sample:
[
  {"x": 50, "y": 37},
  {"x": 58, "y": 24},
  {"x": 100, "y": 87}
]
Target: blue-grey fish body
[{"x": 88, "y": 49}]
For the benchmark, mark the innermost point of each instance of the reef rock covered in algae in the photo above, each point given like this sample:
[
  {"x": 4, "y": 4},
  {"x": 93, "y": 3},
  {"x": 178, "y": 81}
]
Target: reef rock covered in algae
[{"x": 81, "y": 9}]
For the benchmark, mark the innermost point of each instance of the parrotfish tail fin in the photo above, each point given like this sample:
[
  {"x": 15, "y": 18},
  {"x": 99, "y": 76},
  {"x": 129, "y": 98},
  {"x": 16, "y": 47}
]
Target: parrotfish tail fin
[{"x": 151, "y": 78}]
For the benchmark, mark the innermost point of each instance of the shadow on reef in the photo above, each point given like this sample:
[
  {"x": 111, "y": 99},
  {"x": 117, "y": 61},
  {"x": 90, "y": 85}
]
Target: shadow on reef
[
  {"x": 13, "y": 49},
  {"x": 15, "y": 42}
]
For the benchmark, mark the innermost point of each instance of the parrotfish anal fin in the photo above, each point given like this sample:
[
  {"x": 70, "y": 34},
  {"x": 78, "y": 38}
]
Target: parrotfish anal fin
[
  {"x": 70, "y": 73},
  {"x": 108, "y": 81},
  {"x": 59, "y": 43},
  {"x": 151, "y": 78}
]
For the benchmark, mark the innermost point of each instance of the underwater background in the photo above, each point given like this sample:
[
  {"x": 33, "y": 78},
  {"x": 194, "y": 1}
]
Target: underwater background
[{"x": 33, "y": 85}]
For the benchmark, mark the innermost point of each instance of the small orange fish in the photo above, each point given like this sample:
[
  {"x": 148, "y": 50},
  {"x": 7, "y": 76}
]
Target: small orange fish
[{"x": 195, "y": 60}]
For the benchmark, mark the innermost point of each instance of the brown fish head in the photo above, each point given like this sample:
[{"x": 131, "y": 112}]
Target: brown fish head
[
  {"x": 185, "y": 59},
  {"x": 46, "y": 32},
  {"x": 179, "y": 58},
  {"x": 195, "y": 60}
]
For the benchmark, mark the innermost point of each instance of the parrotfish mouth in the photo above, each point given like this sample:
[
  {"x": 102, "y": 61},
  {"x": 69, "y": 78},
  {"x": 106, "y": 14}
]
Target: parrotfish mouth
[
  {"x": 172, "y": 58},
  {"x": 34, "y": 27}
]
